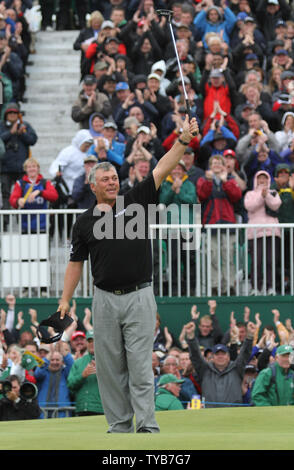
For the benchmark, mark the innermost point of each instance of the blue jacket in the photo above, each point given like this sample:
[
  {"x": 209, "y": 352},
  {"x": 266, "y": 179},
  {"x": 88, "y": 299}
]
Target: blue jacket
[
  {"x": 43, "y": 375},
  {"x": 115, "y": 154},
  {"x": 226, "y": 24},
  {"x": 208, "y": 138},
  {"x": 82, "y": 193},
  {"x": 17, "y": 147}
]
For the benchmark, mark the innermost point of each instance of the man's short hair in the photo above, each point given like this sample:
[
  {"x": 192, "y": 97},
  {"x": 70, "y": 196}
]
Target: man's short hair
[{"x": 104, "y": 166}]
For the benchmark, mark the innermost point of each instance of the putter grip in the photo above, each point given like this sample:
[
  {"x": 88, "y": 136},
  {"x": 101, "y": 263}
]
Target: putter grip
[{"x": 190, "y": 115}]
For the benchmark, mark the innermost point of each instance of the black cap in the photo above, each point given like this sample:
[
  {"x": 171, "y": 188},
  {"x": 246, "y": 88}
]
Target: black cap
[
  {"x": 58, "y": 324},
  {"x": 111, "y": 38},
  {"x": 90, "y": 80}
]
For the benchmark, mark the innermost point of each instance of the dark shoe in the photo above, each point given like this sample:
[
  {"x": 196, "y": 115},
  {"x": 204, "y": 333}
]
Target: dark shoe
[{"x": 144, "y": 430}]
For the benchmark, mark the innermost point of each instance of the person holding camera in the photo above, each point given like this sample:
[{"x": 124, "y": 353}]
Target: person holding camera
[
  {"x": 18, "y": 136},
  {"x": 19, "y": 401}
]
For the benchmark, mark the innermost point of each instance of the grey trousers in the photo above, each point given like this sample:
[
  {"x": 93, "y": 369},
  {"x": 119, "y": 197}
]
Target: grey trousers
[{"x": 123, "y": 336}]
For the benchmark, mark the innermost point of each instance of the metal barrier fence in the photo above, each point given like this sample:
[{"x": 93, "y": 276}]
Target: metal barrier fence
[{"x": 188, "y": 260}]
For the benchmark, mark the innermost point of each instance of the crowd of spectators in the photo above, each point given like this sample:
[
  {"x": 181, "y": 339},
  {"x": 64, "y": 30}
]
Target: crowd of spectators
[
  {"x": 237, "y": 63},
  {"x": 245, "y": 364}
]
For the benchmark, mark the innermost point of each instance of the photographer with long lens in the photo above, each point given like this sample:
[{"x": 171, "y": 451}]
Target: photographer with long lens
[{"x": 19, "y": 401}]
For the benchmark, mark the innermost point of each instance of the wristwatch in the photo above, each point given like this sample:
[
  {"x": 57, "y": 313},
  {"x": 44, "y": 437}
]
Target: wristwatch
[{"x": 182, "y": 142}]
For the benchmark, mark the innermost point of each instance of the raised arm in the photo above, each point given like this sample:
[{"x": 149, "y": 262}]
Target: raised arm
[{"x": 170, "y": 160}]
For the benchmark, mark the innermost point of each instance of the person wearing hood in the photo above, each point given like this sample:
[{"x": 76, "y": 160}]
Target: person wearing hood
[
  {"x": 159, "y": 68},
  {"x": 285, "y": 136},
  {"x": 32, "y": 192},
  {"x": 215, "y": 19},
  {"x": 70, "y": 160},
  {"x": 262, "y": 205}
]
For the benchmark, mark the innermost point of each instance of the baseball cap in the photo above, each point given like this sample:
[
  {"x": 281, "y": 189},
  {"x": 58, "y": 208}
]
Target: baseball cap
[
  {"x": 247, "y": 105},
  {"x": 182, "y": 163},
  {"x": 90, "y": 80},
  {"x": 251, "y": 57},
  {"x": 110, "y": 78},
  {"x": 287, "y": 74},
  {"x": 76, "y": 334},
  {"x": 273, "y": 2},
  {"x": 282, "y": 166},
  {"x": 281, "y": 51},
  {"x": 186, "y": 80},
  {"x": 101, "y": 65},
  {"x": 284, "y": 349},
  {"x": 122, "y": 86},
  {"x": 250, "y": 368},
  {"x": 241, "y": 16},
  {"x": 107, "y": 24},
  {"x": 216, "y": 73},
  {"x": 111, "y": 38},
  {"x": 90, "y": 158},
  {"x": 144, "y": 129},
  {"x": 90, "y": 334},
  {"x": 182, "y": 25},
  {"x": 109, "y": 124},
  {"x": 280, "y": 23},
  {"x": 218, "y": 136},
  {"x": 12, "y": 108},
  {"x": 154, "y": 75},
  {"x": 249, "y": 19},
  {"x": 58, "y": 324},
  {"x": 229, "y": 152},
  {"x": 169, "y": 378},
  {"x": 219, "y": 347}
]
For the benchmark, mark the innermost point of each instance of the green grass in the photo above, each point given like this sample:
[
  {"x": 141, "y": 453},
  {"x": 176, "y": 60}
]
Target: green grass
[{"x": 268, "y": 428}]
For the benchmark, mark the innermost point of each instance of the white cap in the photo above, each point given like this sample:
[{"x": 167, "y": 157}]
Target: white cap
[
  {"x": 144, "y": 129},
  {"x": 107, "y": 24}
]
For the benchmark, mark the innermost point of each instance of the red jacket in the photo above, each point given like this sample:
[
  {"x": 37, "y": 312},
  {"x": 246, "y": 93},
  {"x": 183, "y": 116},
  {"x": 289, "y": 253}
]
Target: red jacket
[
  {"x": 212, "y": 94},
  {"x": 170, "y": 140},
  {"x": 218, "y": 201},
  {"x": 49, "y": 193},
  {"x": 91, "y": 53}
]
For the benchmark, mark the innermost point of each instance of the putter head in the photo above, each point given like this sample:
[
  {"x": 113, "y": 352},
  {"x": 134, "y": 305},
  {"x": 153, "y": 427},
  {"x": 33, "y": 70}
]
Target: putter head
[{"x": 167, "y": 13}]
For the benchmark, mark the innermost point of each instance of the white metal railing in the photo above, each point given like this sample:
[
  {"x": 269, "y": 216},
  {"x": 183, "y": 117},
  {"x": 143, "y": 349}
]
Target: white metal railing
[{"x": 220, "y": 261}]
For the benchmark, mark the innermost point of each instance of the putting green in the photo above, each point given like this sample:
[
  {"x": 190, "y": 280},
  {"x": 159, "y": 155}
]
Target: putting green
[{"x": 268, "y": 428}]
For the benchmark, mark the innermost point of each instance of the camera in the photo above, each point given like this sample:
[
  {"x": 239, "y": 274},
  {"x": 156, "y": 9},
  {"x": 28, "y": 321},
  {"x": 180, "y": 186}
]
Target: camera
[
  {"x": 28, "y": 390},
  {"x": 12, "y": 146}
]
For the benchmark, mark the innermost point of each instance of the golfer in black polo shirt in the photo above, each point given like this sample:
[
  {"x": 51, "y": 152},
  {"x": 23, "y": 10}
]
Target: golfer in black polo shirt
[{"x": 124, "y": 306}]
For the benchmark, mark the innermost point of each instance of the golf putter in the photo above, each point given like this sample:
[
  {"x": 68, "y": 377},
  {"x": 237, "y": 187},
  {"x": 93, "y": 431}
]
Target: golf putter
[{"x": 168, "y": 14}]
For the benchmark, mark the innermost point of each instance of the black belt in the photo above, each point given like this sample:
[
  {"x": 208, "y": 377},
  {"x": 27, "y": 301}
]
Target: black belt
[{"x": 128, "y": 289}]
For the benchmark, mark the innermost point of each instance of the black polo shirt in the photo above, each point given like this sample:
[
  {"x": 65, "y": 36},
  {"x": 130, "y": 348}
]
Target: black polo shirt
[{"x": 118, "y": 261}]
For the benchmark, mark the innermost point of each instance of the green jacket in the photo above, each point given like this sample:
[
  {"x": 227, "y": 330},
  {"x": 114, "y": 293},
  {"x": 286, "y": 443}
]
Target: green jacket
[
  {"x": 285, "y": 213},
  {"x": 164, "y": 400},
  {"x": 267, "y": 393},
  {"x": 187, "y": 195},
  {"x": 85, "y": 390}
]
